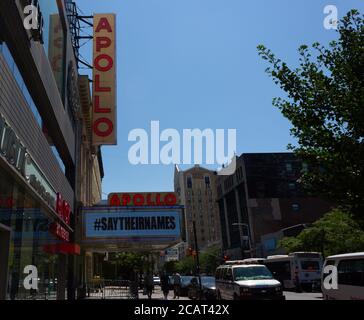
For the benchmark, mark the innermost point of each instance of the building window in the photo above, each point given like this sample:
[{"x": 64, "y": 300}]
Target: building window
[
  {"x": 292, "y": 186},
  {"x": 219, "y": 190},
  {"x": 229, "y": 183},
  {"x": 239, "y": 174},
  {"x": 270, "y": 244},
  {"x": 189, "y": 182},
  {"x": 207, "y": 181},
  {"x": 304, "y": 167},
  {"x": 289, "y": 167},
  {"x": 31, "y": 241},
  {"x": 296, "y": 207}
]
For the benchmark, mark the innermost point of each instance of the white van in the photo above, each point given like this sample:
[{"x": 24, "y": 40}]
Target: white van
[
  {"x": 350, "y": 271},
  {"x": 241, "y": 281}
]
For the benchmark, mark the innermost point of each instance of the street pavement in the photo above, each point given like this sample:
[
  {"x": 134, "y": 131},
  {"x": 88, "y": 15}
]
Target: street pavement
[
  {"x": 158, "y": 295},
  {"x": 303, "y": 296}
]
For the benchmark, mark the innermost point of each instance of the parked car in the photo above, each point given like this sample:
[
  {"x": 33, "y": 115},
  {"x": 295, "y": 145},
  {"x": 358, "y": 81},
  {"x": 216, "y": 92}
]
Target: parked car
[
  {"x": 239, "y": 281},
  {"x": 185, "y": 282},
  {"x": 205, "y": 291}
]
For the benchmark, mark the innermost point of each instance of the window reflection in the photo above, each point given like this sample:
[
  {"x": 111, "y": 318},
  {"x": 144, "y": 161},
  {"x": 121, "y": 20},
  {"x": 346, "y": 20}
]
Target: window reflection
[{"x": 30, "y": 242}]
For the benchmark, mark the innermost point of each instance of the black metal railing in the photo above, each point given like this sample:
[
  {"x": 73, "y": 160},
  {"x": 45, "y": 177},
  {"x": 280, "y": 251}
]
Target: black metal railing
[{"x": 111, "y": 289}]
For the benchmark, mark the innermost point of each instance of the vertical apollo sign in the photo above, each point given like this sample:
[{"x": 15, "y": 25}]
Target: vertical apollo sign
[{"x": 104, "y": 81}]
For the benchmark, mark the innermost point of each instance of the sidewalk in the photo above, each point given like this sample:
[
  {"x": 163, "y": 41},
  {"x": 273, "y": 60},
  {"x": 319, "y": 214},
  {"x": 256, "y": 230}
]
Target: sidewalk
[{"x": 157, "y": 295}]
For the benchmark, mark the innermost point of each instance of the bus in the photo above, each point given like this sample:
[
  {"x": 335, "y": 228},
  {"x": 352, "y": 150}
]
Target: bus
[
  {"x": 350, "y": 277},
  {"x": 297, "y": 271}
]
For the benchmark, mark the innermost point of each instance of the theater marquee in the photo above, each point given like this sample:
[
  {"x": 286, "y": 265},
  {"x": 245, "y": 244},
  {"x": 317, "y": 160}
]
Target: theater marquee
[
  {"x": 104, "y": 81},
  {"x": 128, "y": 224},
  {"x": 148, "y": 199}
]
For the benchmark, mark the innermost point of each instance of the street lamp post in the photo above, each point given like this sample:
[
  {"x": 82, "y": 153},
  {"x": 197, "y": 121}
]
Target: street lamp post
[{"x": 249, "y": 241}]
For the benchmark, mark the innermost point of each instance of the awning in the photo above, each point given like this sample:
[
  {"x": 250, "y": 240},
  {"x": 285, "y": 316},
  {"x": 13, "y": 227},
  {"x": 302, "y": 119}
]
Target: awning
[{"x": 63, "y": 248}]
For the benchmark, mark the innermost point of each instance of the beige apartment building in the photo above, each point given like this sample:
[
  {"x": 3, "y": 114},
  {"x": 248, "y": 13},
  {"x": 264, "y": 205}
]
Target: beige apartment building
[{"x": 196, "y": 189}]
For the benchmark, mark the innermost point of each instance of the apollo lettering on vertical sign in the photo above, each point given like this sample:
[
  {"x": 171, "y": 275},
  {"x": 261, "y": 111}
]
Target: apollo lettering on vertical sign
[{"x": 104, "y": 81}]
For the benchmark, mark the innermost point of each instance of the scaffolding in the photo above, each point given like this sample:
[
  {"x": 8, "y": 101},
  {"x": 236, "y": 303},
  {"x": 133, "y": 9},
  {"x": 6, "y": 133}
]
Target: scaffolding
[{"x": 78, "y": 24}]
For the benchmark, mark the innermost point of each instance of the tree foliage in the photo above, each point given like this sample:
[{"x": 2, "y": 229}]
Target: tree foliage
[
  {"x": 334, "y": 233},
  {"x": 129, "y": 262},
  {"x": 325, "y": 105},
  {"x": 186, "y": 266},
  {"x": 210, "y": 259}
]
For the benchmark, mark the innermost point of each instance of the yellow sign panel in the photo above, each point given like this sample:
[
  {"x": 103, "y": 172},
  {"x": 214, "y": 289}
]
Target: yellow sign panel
[{"x": 104, "y": 81}]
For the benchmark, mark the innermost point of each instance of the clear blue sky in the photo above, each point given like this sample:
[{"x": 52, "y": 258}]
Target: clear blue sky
[{"x": 194, "y": 64}]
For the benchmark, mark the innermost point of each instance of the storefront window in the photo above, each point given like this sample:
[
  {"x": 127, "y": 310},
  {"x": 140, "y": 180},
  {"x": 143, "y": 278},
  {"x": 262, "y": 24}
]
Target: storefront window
[
  {"x": 31, "y": 242},
  {"x": 54, "y": 41}
]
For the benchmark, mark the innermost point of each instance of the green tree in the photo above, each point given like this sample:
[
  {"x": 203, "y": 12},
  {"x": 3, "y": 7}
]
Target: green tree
[
  {"x": 325, "y": 106},
  {"x": 337, "y": 232},
  {"x": 210, "y": 260},
  {"x": 186, "y": 265},
  {"x": 170, "y": 267},
  {"x": 128, "y": 262}
]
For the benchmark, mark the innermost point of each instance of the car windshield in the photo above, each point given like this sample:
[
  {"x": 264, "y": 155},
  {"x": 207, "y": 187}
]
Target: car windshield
[
  {"x": 310, "y": 265},
  {"x": 208, "y": 281},
  {"x": 186, "y": 279},
  {"x": 252, "y": 273}
]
